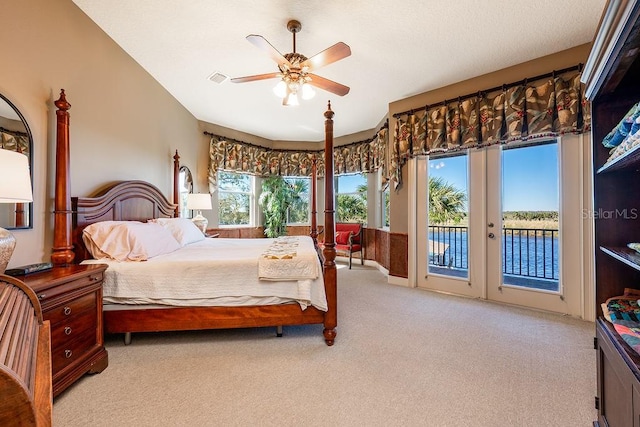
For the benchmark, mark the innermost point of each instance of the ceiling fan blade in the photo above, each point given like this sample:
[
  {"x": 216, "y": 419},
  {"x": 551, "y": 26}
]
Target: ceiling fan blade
[
  {"x": 328, "y": 85},
  {"x": 262, "y": 44},
  {"x": 256, "y": 77},
  {"x": 328, "y": 56}
]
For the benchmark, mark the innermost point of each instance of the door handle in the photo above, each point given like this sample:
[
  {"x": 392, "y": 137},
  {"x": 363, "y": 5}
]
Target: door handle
[
  {"x": 490, "y": 225},
  {"x": 492, "y": 236}
]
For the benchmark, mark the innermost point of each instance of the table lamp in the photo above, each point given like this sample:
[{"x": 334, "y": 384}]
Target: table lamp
[
  {"x": 15, "y": 187},
  {"x": 198, "y": 203}
]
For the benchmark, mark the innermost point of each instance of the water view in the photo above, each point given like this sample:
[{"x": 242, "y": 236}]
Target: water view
[{"x": 529, "y": 200}]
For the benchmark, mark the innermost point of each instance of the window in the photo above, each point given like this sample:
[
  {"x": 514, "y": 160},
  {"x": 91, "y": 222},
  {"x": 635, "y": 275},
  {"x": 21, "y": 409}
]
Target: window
[
  {"x": 384, "y": 205},
  {"x": 235, "y": 198},
  {"x": 298, "y": 210},
  {"x": 351, "y": 195}
]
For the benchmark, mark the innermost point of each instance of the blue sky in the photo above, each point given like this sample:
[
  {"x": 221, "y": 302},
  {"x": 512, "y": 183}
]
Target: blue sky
[
  {"x": 349, "y": 183},
  {"x": 530, "y": 177}
]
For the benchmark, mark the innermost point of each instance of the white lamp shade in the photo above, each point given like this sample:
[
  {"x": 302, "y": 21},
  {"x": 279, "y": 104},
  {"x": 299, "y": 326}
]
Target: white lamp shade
[
  {"x": 15, "y": 182},
  {"x": 291, "y": 100},
  {"x": 307, "y": 91},
  {"x": 280, "y": 89},
  {"x": 199, "y": 202}
]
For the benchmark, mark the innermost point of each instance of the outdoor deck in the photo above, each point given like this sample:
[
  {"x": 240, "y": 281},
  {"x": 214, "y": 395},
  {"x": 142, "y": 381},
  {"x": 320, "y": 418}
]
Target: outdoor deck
[{"x": 509, "y": 279}]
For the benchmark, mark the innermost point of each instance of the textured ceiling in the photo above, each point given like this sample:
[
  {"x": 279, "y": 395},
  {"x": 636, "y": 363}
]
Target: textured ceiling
[{"x": 399, "y": 49}]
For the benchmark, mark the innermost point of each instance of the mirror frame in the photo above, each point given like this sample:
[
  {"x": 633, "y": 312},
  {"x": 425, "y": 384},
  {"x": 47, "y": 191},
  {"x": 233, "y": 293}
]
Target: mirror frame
[
  {"x": 29, "y": 208},
  {"x": 188, "y": 177}
]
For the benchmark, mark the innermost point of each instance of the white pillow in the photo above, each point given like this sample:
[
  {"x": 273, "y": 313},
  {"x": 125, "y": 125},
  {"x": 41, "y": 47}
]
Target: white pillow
[
  {"x": 94, "y": 234},
  {"x": 130, "y": 240},
  {"x": 183, "y": 229}
]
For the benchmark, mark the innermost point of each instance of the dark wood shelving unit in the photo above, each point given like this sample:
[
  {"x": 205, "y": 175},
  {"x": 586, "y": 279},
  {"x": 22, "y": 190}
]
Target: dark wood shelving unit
[
  {"x": 613, "y": 88},
  {"x": 630, "y": 159},
  {"x": 625, "y": 255}
]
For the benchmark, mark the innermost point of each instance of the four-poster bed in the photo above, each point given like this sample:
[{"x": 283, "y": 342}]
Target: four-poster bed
[{"x": 141, "y": 201}]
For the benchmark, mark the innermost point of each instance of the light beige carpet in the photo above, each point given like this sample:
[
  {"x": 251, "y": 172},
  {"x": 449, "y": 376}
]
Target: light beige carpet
[{"x": 403, "y": 357}]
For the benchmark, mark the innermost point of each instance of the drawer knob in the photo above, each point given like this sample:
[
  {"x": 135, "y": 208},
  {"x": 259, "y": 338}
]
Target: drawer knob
[
  {"x": 68, "y": 353},
  {"x": 67, "y": 330},
  {"x": 67, "y": 311},
  {"x": 42, "y": 296}
]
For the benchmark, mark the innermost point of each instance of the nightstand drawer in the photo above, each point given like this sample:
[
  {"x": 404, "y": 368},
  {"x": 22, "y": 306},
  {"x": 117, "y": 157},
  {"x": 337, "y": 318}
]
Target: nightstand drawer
[
  {"x": 65, "y": 354},
  {"x": 71, "y": 308},
  {"x": 71, "y": 300},
  {"x": 47, "y": 295},
  {"x": 70, "y": 329}
]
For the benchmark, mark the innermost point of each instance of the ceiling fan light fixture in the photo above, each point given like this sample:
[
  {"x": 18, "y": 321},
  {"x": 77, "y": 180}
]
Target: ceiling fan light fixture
[
  {"x": 307, "y": 91},
  {"x": 280, "y": 89},
  {"x": 291, "y": 100},
  {"x": 296, "y": 71}
]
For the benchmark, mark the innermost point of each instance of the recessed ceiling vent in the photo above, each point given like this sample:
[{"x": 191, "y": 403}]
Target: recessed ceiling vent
[{"x": 218, "y": 77}]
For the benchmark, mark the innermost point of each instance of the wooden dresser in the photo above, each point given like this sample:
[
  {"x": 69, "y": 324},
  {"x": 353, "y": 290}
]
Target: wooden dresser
[
  {"x": 71, "y": 299},
  {"x": 25, "y": 362}
]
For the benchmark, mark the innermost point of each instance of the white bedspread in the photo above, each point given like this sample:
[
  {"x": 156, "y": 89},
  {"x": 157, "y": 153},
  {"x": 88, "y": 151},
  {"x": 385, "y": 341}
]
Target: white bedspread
[{"x": 210, "y": 272}]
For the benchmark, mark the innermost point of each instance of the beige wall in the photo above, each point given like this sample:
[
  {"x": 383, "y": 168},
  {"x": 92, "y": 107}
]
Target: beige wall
[
  {"x": 570, "y": 57},
  {"x": 124, "y": 125}
]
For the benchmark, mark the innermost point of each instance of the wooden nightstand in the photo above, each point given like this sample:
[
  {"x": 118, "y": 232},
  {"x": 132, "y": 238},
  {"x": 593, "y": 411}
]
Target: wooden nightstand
[{"x": 71, "y": 299}]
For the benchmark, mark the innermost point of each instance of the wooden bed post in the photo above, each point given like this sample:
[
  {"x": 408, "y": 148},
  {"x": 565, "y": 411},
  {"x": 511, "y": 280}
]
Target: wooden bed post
[
  {"x": 329, "y": 251},
  {"x": 62, "y": 252},
  {"x": 314, "y": 210},
  {"x": 176, "y": 183}
]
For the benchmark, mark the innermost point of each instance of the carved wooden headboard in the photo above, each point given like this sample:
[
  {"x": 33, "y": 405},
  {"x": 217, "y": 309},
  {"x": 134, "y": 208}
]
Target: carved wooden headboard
[{"x": 120, "y": 201}]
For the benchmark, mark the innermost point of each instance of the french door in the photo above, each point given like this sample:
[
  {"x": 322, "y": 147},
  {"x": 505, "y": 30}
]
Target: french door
[{"x": 511, "y": 243}]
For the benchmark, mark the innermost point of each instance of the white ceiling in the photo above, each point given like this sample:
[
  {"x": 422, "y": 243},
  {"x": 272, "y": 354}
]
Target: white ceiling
[{"x": 399, "y": 49}]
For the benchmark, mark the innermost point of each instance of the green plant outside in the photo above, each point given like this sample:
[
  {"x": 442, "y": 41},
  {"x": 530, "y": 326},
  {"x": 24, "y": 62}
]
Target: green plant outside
[
  {"x": 276, "y": 198},
  {"x": 446, "y": 202}
]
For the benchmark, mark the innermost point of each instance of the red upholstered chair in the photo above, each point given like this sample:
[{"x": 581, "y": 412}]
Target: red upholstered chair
[{"x": 348, "y": 240}]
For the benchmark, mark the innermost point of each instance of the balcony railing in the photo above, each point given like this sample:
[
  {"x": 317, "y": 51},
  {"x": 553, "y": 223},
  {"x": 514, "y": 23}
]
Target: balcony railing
[{"x": 525, "y": 252}]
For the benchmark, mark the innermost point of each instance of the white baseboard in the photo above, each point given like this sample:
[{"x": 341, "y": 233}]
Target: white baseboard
[
  {"x": 399, "y": 281},
  {"x": 393, "y": 280}
]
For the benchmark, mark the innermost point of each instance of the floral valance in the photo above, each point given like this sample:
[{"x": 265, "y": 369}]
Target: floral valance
[
  {"x": 543, "y": 108},
  {"x": 14, "y": 141},
  {"x": 237, "y": 156}
]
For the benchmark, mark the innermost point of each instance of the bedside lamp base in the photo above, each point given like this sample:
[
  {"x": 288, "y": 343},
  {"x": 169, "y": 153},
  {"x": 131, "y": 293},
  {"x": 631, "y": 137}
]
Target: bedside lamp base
[
  {"x": 7, "y": 244},
  {"x": 200, "y": 222}
]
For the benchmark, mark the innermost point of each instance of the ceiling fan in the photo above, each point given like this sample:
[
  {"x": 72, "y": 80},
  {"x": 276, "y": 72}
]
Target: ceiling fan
[{"x": 295, "y": 69}]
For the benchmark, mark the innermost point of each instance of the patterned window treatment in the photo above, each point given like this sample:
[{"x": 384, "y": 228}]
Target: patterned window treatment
[
  {"x": 542, "y": 108},
  {"x": 14, "y": 141},
  {"x": 237, "y": 156}
]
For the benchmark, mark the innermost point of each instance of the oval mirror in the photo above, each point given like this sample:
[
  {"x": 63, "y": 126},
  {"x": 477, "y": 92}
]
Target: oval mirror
[
  {"x": 15, "y": 136},
  {"x": 185, "y": 185}
]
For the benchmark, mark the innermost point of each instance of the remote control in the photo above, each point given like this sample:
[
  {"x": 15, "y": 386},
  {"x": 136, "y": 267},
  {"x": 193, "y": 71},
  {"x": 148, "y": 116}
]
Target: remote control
[{"x": 28, "y": 269}]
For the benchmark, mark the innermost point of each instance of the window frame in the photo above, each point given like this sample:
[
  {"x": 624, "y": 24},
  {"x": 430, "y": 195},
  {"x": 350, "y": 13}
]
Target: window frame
[
  {"x": 252, "y": 199},
  {"x": 364, "y": 177},
  {"x": 308, "y": 199}
]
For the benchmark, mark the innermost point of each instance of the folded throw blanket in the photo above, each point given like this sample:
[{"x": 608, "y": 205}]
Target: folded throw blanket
[
  {"x": 624, "y": 313},
  {"x": 283, "y": 260}
]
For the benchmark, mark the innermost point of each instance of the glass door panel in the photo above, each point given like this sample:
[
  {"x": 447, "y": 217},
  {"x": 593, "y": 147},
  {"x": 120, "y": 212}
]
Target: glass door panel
[
  {"x": 530, "y": 214},
  {"x": 448, "y": 216}
]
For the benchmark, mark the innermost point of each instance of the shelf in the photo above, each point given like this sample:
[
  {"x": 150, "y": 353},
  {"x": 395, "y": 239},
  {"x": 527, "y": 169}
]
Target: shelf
[
  {"x": 625, "y": 255},
  {"x": 628, "y": 354},
  {"x": 626, "y": 160}
]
